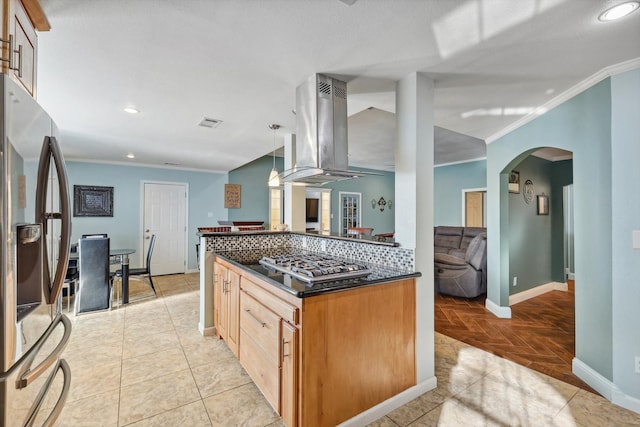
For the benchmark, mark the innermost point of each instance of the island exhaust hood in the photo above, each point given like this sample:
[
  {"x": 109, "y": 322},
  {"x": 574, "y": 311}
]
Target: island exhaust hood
[{"x": 321, "y": 133}]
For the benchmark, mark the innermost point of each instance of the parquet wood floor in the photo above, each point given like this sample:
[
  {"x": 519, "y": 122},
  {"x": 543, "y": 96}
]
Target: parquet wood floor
[{"x": 540, "y": 334}]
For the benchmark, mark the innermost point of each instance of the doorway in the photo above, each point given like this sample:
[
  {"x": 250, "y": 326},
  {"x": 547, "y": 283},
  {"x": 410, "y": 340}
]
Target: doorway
[
  {"x": 350, "y": 215},
  {"x": 164, "y": 214},
  {"x": 474, "y": 207}
]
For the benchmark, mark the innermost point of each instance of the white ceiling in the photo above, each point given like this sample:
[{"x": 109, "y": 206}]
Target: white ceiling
[{"x": 240, "y": 61}]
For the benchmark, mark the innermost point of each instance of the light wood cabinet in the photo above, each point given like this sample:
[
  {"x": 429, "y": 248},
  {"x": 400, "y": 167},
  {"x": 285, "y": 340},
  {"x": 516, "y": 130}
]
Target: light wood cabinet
[
  {"x": 288, "y": 375},
  {"x": 266, "y": 339},
  {"x": 323, "y": 359},
  {"x": 20, "y": 20},
  {"x": 226, "y": 289}
]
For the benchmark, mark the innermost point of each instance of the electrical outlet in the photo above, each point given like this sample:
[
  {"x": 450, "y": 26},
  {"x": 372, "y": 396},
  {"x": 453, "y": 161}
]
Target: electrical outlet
[
  {"x": 323, "y": 245},
  {"x": 637, "y": 364},
  {"x": 515, "y": 280},
  {"x": 304, "y": 242}
]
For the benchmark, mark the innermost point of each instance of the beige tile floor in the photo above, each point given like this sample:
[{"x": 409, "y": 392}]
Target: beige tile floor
[{"x": 146, "y": 365}]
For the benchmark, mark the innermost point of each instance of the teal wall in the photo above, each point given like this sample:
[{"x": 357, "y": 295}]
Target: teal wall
[
  {"x": 581, "y": 125},
  {"x": 449, "y": 181},
  {"x": 532, "y": 243},
  {"x": 625, "y": 205},
  {"x": 561, "y": 175},
  {"x": 206, "y": 197},
  {"x": 254, "y": 194},
  {"x": 372, "y": 188}
]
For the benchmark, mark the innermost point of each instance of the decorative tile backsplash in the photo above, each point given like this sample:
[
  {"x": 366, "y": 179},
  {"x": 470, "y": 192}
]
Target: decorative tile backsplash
[{"x": 389, "y": 256}]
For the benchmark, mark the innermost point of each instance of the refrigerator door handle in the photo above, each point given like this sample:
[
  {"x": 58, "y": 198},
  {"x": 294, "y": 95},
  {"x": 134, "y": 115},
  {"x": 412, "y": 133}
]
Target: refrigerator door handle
[
  {"x": 51, "y": 150},
  {"x": 28, "y": 375},
  {"x": 63, "y": 366}
]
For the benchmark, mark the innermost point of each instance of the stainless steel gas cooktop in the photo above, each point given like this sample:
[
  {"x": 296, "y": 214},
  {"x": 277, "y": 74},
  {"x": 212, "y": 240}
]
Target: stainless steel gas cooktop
[{"x": 315, "y": 268}]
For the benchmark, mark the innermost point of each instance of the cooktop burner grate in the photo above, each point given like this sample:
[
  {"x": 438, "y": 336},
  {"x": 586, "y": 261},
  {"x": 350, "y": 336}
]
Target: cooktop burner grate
[{"x": 315, "y": 268}]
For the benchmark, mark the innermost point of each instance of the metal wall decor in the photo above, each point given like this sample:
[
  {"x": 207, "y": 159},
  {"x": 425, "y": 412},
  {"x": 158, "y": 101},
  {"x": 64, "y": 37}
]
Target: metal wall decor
[
  {"x": 528, "y": 191},
  {"x": 92, "y": 201},
  {"x": 381, "y": 203}
]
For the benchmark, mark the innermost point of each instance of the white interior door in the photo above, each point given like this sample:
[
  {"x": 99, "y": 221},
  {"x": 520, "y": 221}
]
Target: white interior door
[{"x": 165, "y": 207}]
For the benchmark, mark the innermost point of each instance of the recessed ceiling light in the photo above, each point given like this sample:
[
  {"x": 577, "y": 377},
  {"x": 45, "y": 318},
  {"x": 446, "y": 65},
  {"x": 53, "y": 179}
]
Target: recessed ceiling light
[
  {"x": 619, "y": 11},
  {"x": 131, "y": 156},
  {"x": 131, "y": 110}
]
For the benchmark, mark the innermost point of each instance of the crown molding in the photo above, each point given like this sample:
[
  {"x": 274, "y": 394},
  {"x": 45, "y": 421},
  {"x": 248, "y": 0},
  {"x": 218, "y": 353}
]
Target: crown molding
[{"x": 585, "y": 84}]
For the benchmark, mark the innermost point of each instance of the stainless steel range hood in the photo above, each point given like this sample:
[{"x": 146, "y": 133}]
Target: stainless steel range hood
[{"x": 321, "y": 133}]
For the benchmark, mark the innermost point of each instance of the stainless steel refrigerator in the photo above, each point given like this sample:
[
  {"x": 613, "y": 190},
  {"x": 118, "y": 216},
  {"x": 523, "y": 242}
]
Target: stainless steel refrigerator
[{"x": 35, "y": 231}]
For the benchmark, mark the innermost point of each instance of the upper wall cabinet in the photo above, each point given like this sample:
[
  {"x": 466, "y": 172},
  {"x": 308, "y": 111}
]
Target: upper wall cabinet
[{"x": 21, "y": 20}]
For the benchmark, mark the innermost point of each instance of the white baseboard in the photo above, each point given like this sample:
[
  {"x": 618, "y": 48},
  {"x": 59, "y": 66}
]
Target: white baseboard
[
  {"x": 498, "y": 311},
  {"x": 383, "y": 408},
  {"x": 603, "y": 386},
  {"x": 537, "y": 291},
  {"x": 208, "y": 331}
]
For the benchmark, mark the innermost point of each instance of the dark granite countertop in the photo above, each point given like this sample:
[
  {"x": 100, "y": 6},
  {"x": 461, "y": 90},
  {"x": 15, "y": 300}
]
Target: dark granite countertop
[
  {"x": 248, "y": 261},
  {"x": 376, "y": 240}
]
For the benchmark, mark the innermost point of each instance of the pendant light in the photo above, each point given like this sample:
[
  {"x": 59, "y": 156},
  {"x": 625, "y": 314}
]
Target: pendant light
[{"x": 274, "y": 179}]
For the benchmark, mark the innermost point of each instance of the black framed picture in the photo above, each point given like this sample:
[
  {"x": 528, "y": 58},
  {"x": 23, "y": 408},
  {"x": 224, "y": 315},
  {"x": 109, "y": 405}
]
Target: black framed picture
[
  {"x": 92, "y": 201},
  {"x": 543, "y": 205}
]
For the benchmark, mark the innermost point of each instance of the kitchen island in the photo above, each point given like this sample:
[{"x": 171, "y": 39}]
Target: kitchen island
[
  {"x": 319, "y": 356},
  {"x": 321, "y": 353}
]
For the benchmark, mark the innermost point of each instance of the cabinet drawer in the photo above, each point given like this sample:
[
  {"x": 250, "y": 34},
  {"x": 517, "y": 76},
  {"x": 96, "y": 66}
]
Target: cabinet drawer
[
  {"x": 262, "y": 371},
  {"x": 285, "y": 310},
  {"x": 262, "y": 325}
]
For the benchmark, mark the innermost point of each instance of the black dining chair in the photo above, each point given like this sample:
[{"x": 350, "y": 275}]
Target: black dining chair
[
  {"x": 94, "y": 280},
  {"x": 144, "y": 271}
]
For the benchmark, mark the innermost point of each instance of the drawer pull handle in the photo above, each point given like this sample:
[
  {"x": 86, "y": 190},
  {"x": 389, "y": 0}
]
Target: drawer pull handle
[
  {"x": 262, "y": 324},
  {"x": 283, "y": 353}
]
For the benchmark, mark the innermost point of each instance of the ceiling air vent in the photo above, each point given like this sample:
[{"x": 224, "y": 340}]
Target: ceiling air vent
[{"x": 209, "y": 123}]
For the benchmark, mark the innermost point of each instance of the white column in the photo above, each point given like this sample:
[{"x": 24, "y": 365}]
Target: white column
[
  {"x": 414, "y": 202},
  {"x": 294, "y": 195}
]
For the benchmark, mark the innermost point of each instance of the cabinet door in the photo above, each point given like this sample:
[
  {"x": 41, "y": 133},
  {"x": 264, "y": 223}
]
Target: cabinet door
[
  {"x": 289, "y": 377},
  {"x": 223, "y": 313},
  {"x": 26, "y": 37},
  {"x": 217, "y": 296},
  {"x": 233, "y": 304}
]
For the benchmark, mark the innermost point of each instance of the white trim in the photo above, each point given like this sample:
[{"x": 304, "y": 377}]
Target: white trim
[
  {"x": 394, "y": 402},
  {"x": 606, "y": 388},
  {"x": 537, "y": 291},
  {"x": 206, "y": 332},
  {"x": 460, "y": 162},
  {"x": 141, "y": 165},
  {"x": 498, "y": 311},
  {"x": 567, "y": 94},
  {"x": 624, "y": 400},
  {"x": 464, "y": 204}
]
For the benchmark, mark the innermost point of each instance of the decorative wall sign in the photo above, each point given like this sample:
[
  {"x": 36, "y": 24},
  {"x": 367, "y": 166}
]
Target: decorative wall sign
[
  {"x": 514, "y": 182},
  {"x": 92, "y": 201},
  {"x": 543, "y": 204},
  {"x": 232, "y": 196},
  {"x": 528, "y": 191}
]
